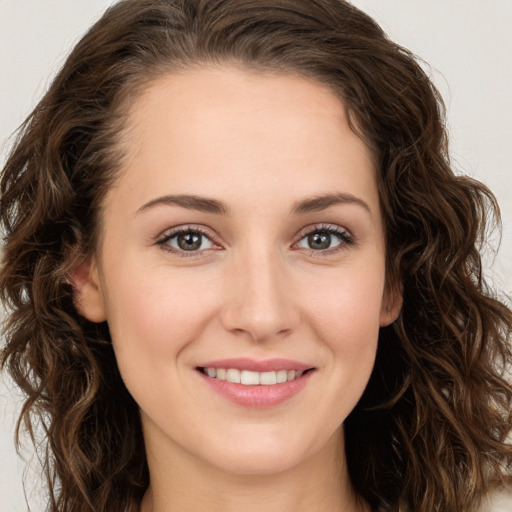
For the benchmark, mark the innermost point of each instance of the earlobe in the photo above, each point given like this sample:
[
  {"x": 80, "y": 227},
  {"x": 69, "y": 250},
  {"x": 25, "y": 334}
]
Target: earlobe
[
  {"x": 391, "y": 305},
  {"x": 87, "y": 292}
]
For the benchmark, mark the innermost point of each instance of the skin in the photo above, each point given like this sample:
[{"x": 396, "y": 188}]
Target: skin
[{"x": 255, "y": 288}]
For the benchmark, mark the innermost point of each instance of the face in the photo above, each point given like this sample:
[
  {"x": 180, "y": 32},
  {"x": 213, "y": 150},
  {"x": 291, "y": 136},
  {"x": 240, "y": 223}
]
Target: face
[{"x": 242, "y": 239}]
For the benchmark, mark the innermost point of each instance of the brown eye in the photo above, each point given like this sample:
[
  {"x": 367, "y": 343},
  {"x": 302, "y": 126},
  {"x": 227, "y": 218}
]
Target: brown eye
[
  {"x": 189, "y": 241},
  {"x": 186, "y": 240},
  {"x": 319, "y": 241},
  {"x": 325, "y": 239}
]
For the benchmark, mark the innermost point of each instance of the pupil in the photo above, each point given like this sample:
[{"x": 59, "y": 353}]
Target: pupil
[
  {"x": 189, "y": 241},
  {"x": 319, "y": 240}
]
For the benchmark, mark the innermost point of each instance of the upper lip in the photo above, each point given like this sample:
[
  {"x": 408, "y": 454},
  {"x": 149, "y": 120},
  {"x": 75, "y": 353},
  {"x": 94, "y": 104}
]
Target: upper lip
[{"x": 255, "y": 365}]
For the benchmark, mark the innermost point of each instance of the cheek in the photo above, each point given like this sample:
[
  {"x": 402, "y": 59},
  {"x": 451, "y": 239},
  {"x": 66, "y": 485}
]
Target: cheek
[
  {"x": 152, "y": 317},
  {"x": 346, "y": 317},
  {"x": 348, "y": 305}
]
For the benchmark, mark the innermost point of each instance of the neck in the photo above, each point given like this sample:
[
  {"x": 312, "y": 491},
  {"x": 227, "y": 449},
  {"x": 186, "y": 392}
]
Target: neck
[{"x": 320, "y": 483}]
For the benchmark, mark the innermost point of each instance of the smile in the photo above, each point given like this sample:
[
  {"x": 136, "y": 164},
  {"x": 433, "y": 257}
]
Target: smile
[
  {"x": 256, "y": 384},
  {"x": 251, "y": 378}
]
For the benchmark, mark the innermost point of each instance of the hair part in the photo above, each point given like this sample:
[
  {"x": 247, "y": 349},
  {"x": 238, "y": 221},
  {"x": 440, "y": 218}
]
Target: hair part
[{"x": 430, "y": 431}]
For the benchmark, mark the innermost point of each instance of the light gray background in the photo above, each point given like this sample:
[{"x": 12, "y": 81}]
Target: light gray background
[{"x": 468, "y": 44}]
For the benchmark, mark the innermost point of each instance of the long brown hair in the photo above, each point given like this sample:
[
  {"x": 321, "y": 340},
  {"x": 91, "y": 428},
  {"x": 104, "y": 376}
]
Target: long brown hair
[{"x": 430, "y": 432}]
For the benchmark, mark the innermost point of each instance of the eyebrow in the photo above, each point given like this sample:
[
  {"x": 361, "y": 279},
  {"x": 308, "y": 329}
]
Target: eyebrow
[
  {"x": 208, "y": 205},
  {"x": 191, "y": 202},
  {"x": 322, "y": 202}
]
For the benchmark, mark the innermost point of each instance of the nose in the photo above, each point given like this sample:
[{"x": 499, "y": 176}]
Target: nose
[{"x": 259, "y": 298}]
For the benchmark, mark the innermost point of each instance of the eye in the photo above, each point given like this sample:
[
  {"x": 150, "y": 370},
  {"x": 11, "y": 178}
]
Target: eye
[
  {"x": 326, "y": 239},
  {"x": 186, "y": 240}
]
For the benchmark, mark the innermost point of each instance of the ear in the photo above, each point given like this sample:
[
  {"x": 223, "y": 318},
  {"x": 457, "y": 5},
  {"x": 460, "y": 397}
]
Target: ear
[
  {"x": 87, "y": 292},
  {"x": 391, "y": 304}
]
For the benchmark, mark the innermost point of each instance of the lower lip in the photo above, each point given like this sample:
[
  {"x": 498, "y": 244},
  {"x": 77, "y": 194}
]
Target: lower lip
[{"x": 258, "y": 397}]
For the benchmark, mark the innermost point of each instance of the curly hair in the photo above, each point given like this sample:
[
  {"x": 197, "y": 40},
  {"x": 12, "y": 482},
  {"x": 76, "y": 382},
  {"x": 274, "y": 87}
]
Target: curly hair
[{"x": 430, "y": 432}]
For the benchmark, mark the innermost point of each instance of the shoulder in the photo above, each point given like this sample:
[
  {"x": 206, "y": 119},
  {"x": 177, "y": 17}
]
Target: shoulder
[{"x": 500, "y": 501}]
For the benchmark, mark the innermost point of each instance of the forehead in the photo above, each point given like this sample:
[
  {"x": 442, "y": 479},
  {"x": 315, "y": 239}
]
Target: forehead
[{"x": 229, "y": 131}]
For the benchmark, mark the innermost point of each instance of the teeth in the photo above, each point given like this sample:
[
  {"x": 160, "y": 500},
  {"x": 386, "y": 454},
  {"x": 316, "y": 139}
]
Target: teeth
[
  {"x": 268, "y": 378},
  {"x": 282, "y": 376},
  {"x": 249, "y": 378},
  {"x": 233, "y": 375}
]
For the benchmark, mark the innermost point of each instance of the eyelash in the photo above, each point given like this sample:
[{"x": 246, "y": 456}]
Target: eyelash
[
  {"x": 345, "y": 237},
  {"x": 182, "y": 231}
]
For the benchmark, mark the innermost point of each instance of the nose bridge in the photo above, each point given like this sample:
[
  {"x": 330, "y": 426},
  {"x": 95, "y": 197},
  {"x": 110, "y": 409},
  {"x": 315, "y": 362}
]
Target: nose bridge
[{"x": 259, "y": 296}]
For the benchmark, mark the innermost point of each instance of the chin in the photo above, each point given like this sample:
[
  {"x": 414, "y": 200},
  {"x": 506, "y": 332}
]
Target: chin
[
  {"x": 265, "y": 455},
  {"x": 260, "y": 464}
]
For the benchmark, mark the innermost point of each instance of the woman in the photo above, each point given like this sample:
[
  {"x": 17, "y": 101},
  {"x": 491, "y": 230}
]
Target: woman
[{"x": 243, "y": 274}]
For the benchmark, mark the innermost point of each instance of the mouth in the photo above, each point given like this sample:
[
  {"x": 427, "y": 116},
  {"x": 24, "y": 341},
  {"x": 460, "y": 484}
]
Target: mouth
[
  {"x": 256, "y": 384},
  {"x": 253, "y": 378}
]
